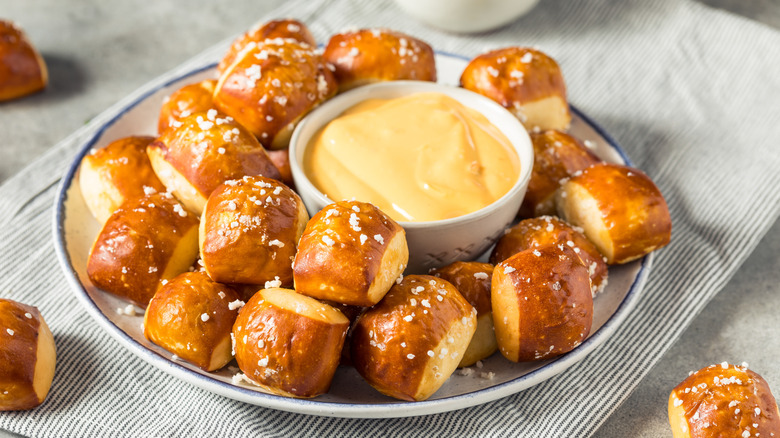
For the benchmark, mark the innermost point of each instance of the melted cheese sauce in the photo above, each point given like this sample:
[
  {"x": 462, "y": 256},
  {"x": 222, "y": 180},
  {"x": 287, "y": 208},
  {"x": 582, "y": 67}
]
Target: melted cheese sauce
[{"x": 422, "y": 157}]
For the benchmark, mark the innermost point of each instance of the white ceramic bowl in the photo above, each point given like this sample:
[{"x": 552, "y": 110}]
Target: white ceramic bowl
[
  {"x": 466, "y": 16},
  {"x": 433, "y": 243}
]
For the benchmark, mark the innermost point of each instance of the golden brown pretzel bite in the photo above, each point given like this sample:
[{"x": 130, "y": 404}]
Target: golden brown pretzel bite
[
  {"x": 118, "y": 172},
  {"x": 22, "y": 69},
  {"x": 367, "y": 246},
  {"x": 27, "y": 356},
  {"x": 286, "y": 28},
  {"x": 281, "y": 159},
  {"x": 192, "y": 317},
  {"x": 557, "y": 156},
  {"x": 472, "y": 279},
  {"x": 288, "y": 343},
  {"x": 145, "y": 241},
  {"x": 409, "y": 344},
  {"x": 542, "y": 304},
  {"x": 271, "y": 85},
  {"x": 619, "y": 208},
  {"x": 723, "y": 401},
  {"x": 537, "y": 232},
  {"x": 189, "y": 99},
  {"x": 250, "y": 230},
  {"x": 525, "y": 81},
  {"x": 365, "y": 56},
  {"x": 205, "y": 151}
]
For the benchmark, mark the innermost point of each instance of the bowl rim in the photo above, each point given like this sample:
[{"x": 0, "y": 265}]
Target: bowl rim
[{"x": 508, "y": 124}]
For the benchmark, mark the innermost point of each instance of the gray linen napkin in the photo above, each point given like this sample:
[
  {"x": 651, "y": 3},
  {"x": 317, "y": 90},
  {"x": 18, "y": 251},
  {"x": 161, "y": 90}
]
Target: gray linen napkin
[{"x": 691, "y": 94}]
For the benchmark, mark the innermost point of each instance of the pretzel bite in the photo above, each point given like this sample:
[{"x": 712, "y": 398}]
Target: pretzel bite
[
  {"x": 27, "y": 356},
  {"x": 525, "y": 81},
  {"x": 287, "y": 28},
  {"x": 367, "y": 246},
  {"x": 249, "y": 232},
  {"x": 409, "y": 344},
  {"x": 192, "y": 317},
  {"x": 281, "y": 159},
  {"x": 205, "y": 151},
  {"x": 118, "y": 172},
  {"x": 22, "y": 69},
  {"x": 557, "y": 156},
  {"x": 366, "y": 56},
  {"x": 620, "y": 210},
  {"x": 288, "y": 343},
  {"x": 542, "y": 304},
  {"x": 545, "y": 230},
  {"x": 723, "y": 401},
  {"x": 145, "y": 241},
  {"x": 189, "y": 99},
  {"x": 271, "y": 85},
  {"x": 472, "y": 279}
]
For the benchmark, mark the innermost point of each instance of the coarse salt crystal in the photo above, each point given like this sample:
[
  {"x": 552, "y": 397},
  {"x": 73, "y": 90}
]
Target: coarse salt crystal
[
  {"x": 233, "y": 305},
  {"x": 480, "y": 276},
  {"x": 509, "y": 269},
  {"x": 204, "y": 317},
  {"x": 410, "y": 356},
  {"x": 10, "y": 332}
]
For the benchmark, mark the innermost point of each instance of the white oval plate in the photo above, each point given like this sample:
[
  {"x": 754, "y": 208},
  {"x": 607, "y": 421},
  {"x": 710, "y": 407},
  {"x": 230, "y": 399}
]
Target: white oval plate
[{"x": 350, "y": 396}]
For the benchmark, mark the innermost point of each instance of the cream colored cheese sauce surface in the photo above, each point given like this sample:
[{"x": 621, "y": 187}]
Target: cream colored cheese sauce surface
[{"x": 422, "y": 157}]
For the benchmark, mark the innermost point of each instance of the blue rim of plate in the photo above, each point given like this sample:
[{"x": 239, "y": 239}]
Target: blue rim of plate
[{"x": 391, "y": 409}]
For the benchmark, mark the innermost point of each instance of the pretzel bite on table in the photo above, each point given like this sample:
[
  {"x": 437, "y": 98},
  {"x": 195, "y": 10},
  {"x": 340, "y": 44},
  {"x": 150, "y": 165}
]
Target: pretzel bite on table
[
  {"x": 542, "y": 303},
  {"x": 271, "y": 85},
  {"x": 409, "y": 344},
  {"x": 723, "y": 401},
  {"x": 472, "y": 279},
  {"x": 286, "y": 28},
  {"x": 351, "y": 253},
  {"x": 22, "y": 69},
  {"x": 249, "y": 232},
  {"x": 189, "y": 99},
  {"x": 525, "y": 81},
  {"x": 366, "y": 56},
  {"x": 620, "y": 210},
  {"x": 118, "y": 172},
  {"x": 557, "y": 156},
  {"x": 205, "y": 151},
  {"x": 145, "y": 241},
  {"x": 288, "y": 343},
  {"x": 27, "y": 356},
  {"x": 192, "y": 317},
  {"x": 545, "y": 230}
]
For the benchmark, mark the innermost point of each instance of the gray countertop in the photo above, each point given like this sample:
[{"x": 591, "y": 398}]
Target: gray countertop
[{"x": 97, "y": 52}]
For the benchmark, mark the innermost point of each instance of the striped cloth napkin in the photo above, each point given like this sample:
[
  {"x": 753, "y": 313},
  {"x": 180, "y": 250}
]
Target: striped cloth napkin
[{"x": 691, "y": 94}]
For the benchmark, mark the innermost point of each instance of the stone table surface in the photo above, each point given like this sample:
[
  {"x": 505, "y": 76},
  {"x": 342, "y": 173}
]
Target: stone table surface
[{"x": 98, "y": 52}]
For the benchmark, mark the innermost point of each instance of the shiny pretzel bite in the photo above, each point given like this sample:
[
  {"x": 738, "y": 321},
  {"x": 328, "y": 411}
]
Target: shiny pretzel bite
[
  {"x": 145, "y": 241},
  {"x": 409, "y": 344},
  {"x": 205, "y": 151},
  {"x": 286, "y": 28},
  {"x": 281, "y": 159},
  {"x": 368, "y": 248},
  {"x": 723, "y": 400},
  {"x": 271, "y": 85},
  {"x": 22, "y": 69},
  {"x": 366, "y": 56},
  {"x": 620, "y": 210},
  {"x": 288, "y": 343},
  {"x": 249, "y": 232},
  {"x": 545, "y": 230},
  {"x": 118, "y": 172},
  {"x": 542, "y": 303},
  {"x": 525, "y": 81},
  {"x": 189, "y": 99},
  {"x": 472, "y": 279},
  {"x": 557, "y": 156},
  {"x": 27, "y": 356},
  {"x": 192, "y": 317}
]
